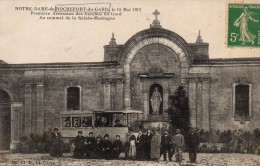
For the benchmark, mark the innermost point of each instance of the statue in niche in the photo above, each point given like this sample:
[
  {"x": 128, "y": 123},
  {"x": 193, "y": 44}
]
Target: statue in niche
[{"x": 156, "y": 101}]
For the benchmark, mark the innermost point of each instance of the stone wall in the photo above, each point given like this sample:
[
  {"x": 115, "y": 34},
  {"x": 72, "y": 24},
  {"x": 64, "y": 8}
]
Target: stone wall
[
  {"x": 42, "y": 92},
  {"x": 221, "y": 96},
  {"x": 211, "y": 95},
  {"x": 57, "y": 81}
]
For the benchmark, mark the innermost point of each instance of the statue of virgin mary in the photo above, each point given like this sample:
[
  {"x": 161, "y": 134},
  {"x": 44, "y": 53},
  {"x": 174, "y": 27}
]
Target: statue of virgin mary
[{"x": 156, "y": 101}]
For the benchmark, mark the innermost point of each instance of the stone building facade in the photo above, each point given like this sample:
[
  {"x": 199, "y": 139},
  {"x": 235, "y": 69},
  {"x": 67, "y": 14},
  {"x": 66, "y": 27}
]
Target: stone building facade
[{"x": 36, "y": 97}]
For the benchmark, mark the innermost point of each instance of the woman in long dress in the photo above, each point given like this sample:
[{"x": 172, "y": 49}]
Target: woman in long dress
[
  {"x": 242, "y": 21},
  {"x": 132, "y": 148}
]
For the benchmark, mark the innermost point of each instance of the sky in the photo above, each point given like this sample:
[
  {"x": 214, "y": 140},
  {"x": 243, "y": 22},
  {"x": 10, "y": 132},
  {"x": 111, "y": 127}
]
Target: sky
[{"x": 25, "y": 38}]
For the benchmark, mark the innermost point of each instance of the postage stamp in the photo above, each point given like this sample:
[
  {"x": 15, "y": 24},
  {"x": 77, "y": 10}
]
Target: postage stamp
[{"x": 243, "y": 25}]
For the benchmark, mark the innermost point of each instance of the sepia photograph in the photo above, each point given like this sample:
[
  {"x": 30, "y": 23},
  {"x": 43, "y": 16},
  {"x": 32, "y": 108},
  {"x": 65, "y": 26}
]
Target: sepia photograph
[{"x": 130, "y": 83}]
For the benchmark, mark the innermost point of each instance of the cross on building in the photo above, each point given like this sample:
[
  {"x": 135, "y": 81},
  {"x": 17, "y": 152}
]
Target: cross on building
[
  {"x": 156, "y": 22},
  {"x": 156, "y": 13}
]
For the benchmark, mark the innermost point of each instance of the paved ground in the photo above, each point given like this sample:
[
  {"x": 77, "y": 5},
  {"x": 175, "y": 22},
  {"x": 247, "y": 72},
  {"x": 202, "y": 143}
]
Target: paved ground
[{"x": 67, "y": 160}]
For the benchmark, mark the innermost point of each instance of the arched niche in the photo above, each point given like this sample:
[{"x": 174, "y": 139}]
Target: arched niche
[
  {"x": 156, "y": 93},
  {"x": 149, "y": 37}
]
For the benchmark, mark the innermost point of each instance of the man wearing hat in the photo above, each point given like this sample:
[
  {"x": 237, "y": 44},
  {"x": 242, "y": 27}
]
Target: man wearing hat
[
  {"x": 117, "y": 121},
  {"x": 107, "y": 147},
  {"x": 91, "y": 141},
  {"x": 56, "y": 144},
  {"x": 178, "y": 141},
  {"x": 79, "y": 145},
  {"x": 166, "y": 142}
]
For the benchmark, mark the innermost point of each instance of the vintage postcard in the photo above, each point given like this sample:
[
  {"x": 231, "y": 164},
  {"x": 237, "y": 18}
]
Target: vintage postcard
[{"x": 99, "y": 82}]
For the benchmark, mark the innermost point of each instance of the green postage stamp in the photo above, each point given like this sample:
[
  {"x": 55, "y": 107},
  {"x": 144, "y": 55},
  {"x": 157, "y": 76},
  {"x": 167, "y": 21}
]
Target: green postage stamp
[{"x": 243, "y": 25}]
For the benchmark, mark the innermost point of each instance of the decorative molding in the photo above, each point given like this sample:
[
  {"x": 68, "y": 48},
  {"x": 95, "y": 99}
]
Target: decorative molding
[
  {"x": 161, "y": 75},
  {"x": 148, "y": 84},
  {"x": 16, "y": 104},
  {"x": 199, "y": 79},
  {"x": 77, "y": 112},
  {"x": 155, "y": 72},
  {"x": 161, "y": 36},
  {"x": 242, "y": 80},
  {"x": 112, "y": 80},
  {"x": 33, "y": 81}
]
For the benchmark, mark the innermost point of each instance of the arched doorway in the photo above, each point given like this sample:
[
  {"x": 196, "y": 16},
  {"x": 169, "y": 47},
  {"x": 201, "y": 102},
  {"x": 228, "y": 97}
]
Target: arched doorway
[
  {"x": 5, "y": 120},
  {"x": 156, "y": 98}
]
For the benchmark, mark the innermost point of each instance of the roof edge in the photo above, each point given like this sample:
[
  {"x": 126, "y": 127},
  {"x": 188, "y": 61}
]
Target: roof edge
[
  {"x": 59, "y": 65},
  {"x": 248, "y": 60}
]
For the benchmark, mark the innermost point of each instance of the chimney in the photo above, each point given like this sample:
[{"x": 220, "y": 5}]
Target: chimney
[{"x": 200, "y": 49}]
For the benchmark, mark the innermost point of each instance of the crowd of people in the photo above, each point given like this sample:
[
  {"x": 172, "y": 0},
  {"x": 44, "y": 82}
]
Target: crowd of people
[
  {"x": 144, "y": 146},
  {"x": 92, "y": 147}
]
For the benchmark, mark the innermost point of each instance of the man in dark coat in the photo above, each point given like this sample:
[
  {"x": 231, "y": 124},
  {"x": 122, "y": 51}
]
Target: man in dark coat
[
  {"x": 107, "y": 147},
  {"x": 192, "y": 145},
  {"x": 166, "y": 145},
  {"x": 148, "y": 138},
  {"x": 91, "y": 141},
  {"x": 56, "y": 144},
  {"x": 117, "y": 147},
  {"x": 79, "y": 145},
  {"x": 98, "y": 148},
  {"x": 140, "y": 148},
  {"x": 98, "y": 122}
]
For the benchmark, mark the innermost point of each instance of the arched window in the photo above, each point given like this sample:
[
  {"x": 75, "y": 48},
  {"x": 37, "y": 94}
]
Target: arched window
[{"x": 73, "y": 98}]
